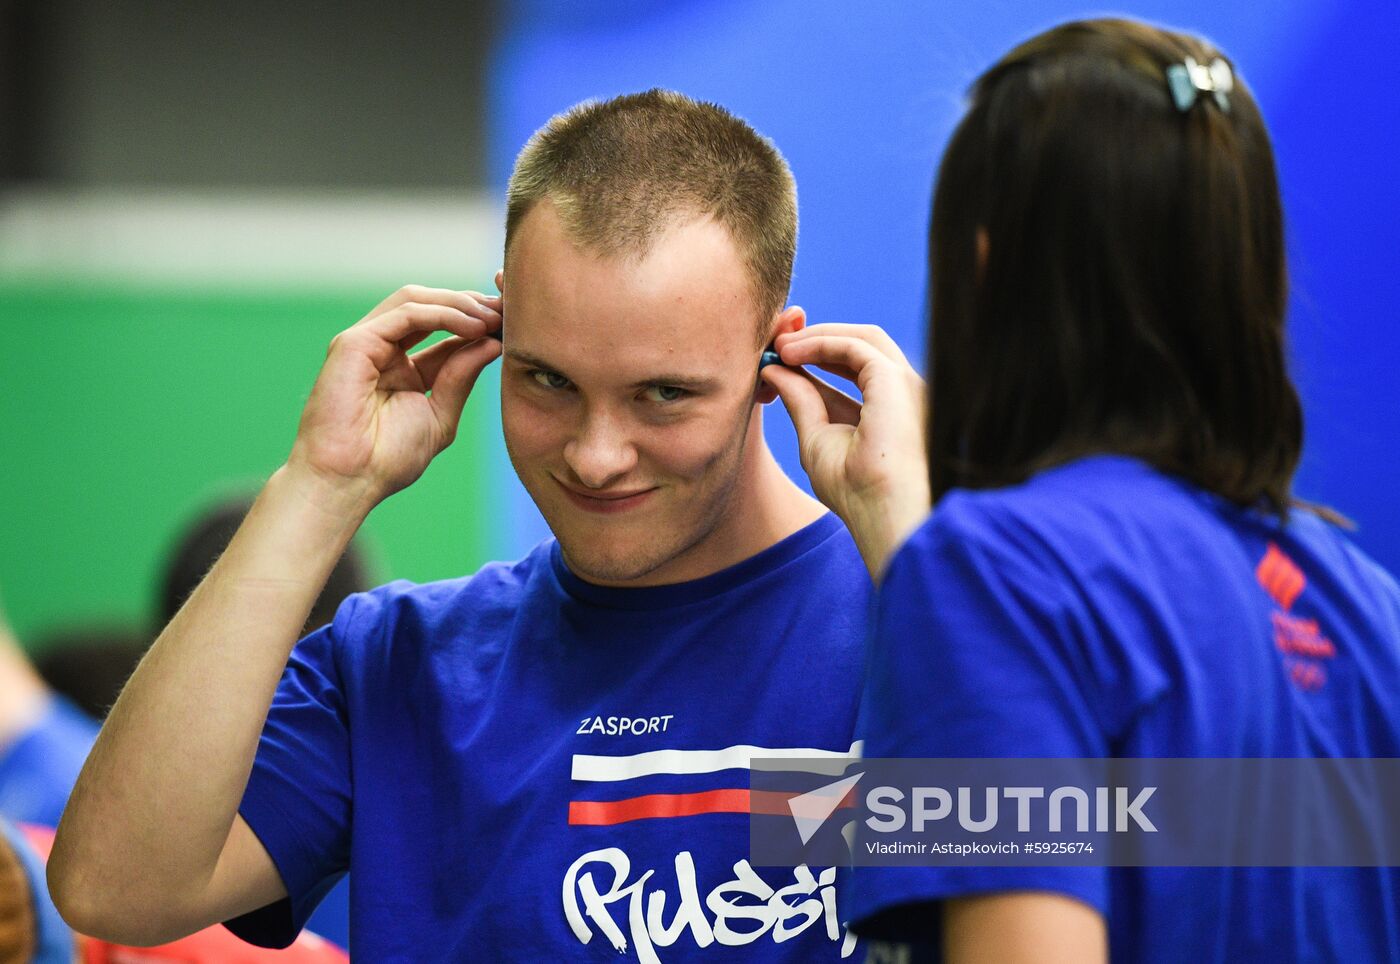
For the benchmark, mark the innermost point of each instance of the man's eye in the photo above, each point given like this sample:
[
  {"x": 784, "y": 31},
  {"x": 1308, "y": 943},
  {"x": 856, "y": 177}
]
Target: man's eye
[
  {"x": 550, "y": 379},
  {"x": 665, "y": 393}
]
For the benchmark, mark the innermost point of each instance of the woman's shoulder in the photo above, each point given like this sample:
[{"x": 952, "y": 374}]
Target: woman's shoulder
[{"x": 1075, "y": 500}]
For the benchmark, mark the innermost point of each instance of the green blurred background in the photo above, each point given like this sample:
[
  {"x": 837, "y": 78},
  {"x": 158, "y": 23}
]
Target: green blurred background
[
  {"x": 191, "y": 205},
  {"x": 129, "y": 409}
]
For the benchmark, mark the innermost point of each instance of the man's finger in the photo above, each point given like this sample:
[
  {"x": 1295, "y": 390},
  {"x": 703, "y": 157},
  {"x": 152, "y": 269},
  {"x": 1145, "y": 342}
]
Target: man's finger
[
  {"x": 413, "y": 340},
  {"x": 488, "y": 307},
  {"x": 456, "y": 376},
  {"x": 430, "y": 360},
  {"x": 400, "y": 377},
  {"x": 380, "y": 337},
  {"x": 800, "y": 397},
  {"x": 840, "y": 407},
  {"x": 854, "y": 354},
  {"x": 473, "y": 303},
  {"x": 840, "y": 371},
  {"x": 873, "y": 335}
]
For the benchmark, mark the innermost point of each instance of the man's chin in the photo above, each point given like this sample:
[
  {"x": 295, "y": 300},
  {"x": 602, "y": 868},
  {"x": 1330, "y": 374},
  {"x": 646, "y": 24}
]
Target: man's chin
[{"x": 611, "y": 568}]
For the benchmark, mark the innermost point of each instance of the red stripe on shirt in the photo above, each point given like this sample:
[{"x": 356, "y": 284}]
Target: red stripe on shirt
[{"x": 604, "y": 813}]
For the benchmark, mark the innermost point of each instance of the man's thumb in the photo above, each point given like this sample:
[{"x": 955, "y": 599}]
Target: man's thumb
[{"x": 456, "y": 378}]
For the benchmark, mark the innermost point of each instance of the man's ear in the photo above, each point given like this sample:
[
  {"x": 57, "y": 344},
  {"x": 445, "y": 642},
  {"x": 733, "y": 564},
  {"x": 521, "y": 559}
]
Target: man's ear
[
  {"x": 500, "y": 279},
  {"x": 791, "y": 318}
]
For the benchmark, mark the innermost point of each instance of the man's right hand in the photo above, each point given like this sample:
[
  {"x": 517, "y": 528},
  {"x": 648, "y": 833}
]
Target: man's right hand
[
  {"x": 185, "y": 730},
  {"x": 370, "y": 426}
]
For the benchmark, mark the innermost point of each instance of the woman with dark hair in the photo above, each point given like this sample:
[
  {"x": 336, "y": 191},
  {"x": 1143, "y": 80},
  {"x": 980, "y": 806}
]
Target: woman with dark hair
[{"x": 1116, "y": 565}]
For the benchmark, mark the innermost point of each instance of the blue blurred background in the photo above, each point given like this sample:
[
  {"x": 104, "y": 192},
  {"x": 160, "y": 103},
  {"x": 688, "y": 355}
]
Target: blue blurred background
[{"x": 862, "y": 97}]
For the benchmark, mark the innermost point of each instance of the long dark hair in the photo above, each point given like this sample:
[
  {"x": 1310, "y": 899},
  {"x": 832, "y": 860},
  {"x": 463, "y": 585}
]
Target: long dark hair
[{"x": 1108, "y": 273}]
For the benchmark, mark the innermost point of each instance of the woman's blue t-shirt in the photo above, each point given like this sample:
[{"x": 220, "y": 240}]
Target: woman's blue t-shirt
[{"x": 1106, "y": 609}]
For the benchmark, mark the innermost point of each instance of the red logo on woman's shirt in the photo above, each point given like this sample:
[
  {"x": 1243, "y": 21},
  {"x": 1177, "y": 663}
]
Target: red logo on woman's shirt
[{"x": 1300, "y": 640}]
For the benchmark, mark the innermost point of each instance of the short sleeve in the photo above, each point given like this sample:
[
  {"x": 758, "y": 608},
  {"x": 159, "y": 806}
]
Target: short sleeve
[
  {"x": 298, "y": 798},
  {"x": 975, "y": 654}
]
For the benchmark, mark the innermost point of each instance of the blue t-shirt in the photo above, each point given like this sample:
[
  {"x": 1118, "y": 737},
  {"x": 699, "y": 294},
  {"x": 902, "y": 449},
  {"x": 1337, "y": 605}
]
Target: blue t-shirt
[
  {"x": 38, "y": 769},
  {"x": 1106, "y": 609},
  {"x": 523, "y": 766}
]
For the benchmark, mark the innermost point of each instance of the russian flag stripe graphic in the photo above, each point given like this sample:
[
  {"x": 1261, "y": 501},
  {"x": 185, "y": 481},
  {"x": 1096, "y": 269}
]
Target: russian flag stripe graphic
[{"x": 610, "y": 768}]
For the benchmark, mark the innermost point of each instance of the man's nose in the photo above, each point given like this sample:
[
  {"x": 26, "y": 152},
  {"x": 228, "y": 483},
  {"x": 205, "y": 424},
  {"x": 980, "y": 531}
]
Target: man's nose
[{"x": 601, "y": 452}]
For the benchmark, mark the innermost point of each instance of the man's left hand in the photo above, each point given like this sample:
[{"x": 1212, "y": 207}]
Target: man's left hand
[{"x": 866, "y": 459}]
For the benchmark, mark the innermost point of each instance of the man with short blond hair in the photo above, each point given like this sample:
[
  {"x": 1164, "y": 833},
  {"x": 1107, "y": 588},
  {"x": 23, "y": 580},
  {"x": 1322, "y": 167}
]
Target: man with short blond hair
[
  {"x": 546, "y": 759},
  {"x": 621, "y": 171}
]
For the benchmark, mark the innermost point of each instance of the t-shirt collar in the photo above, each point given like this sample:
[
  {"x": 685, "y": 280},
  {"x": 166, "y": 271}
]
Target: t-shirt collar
[{"x": 696, "y": 590}]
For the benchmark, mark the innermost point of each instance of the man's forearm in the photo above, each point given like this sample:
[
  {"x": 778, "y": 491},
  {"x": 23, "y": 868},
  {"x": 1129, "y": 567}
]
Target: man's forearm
[{"x": 155, "y": 801}]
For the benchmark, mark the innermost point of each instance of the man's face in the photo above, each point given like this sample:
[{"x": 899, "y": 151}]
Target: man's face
[{"x": 627, "y": 395}]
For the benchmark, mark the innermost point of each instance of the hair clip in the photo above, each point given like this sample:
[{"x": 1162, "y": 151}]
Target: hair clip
[{"x": 1188, "y": 79}]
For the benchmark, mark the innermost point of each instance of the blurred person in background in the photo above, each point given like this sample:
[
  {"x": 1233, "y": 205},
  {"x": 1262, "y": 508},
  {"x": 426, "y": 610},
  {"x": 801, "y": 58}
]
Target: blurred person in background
[
  {"x": 1116, "y": 565},
  {"x": 32, "y": 932},
  {"x": 509, "y": 763},
  {"x": 204, "y": 538},
  {"x": 90, "y": 664},
  {"x": 44, "y": 739}
]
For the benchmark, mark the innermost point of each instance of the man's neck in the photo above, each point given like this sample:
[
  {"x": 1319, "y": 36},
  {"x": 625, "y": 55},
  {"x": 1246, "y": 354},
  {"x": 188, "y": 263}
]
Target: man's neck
[
  {"x": 774, "y": 507},
  {"x": 765, "y": 508}
]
